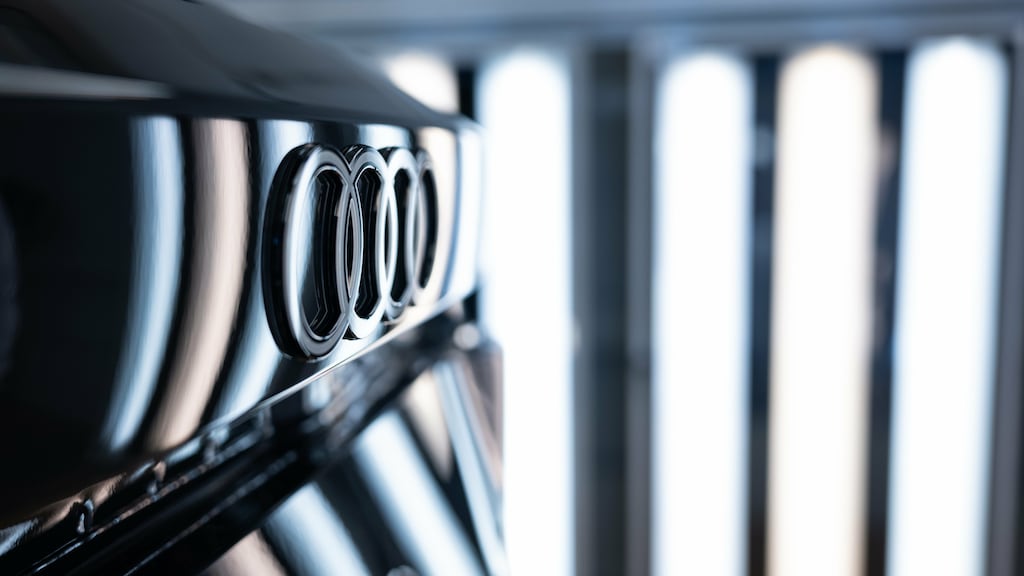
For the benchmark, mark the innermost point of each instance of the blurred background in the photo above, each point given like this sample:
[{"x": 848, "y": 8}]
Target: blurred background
[{"x": 757, "y": 269}]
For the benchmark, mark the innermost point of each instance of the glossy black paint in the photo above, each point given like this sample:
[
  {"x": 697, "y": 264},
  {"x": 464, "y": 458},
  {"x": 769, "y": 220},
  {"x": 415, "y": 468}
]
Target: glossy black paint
[{"x": 146, "y": 410}]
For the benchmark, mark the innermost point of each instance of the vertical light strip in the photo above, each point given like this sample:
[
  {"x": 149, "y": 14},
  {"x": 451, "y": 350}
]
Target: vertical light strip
[
  {"x": 157, "y": 153},
  {"x": 524, "y": 107},
  {"x": 702, "y": 152},
  {"x": 821, "y": 299},
  {"x": 946, "y": 301}
]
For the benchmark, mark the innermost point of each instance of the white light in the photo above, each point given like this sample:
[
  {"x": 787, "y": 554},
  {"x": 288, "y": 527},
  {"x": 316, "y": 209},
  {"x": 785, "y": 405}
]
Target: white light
[
  {"x": 427, "y": 77},
  {"x": 525, "y": 110},
  {"x": 946, "y": 303},
  {"x": 821, "y": 312},
  {"x": 701, "y": 289}
]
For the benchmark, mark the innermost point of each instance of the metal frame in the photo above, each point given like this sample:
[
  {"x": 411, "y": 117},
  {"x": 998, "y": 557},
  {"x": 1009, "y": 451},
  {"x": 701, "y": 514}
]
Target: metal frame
[
  {"x": 640, "y": 241},
  {"x": 600, "y": 233},
  {"x": 488, "y": 21},
  {"x": 1004, "y": 514}
]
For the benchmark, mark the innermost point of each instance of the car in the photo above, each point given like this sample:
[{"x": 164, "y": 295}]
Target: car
[{"x": 238, "y": 319}]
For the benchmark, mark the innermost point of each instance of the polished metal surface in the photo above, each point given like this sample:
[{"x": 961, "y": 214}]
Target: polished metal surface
[
  {"x": 139, "y": 269},
  {"x": 164, "y": 244}
]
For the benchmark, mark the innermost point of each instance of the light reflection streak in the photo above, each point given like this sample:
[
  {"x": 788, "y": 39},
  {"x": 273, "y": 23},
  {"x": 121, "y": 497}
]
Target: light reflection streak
[
  {"x": 443, "y": 149},
  {"x": 470, "y": 167},
  {"x": 157, "y": 153},
  {"x": 249, "y": 557},
  {"x": 381, "y": 136},
  {"x": 216, "y": 277},
  {"x": 422, "y": 404},
  {"x": 257, "y": 356},
  {"x": 452, "y": 381},
  {"x": 311, "y": 537},
  {"x": 405, "y": 490},
  {"x": 12, "y": 536}
]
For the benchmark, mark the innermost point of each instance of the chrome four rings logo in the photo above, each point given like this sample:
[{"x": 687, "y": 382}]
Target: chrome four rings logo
[{"x": 350, "y": 243}]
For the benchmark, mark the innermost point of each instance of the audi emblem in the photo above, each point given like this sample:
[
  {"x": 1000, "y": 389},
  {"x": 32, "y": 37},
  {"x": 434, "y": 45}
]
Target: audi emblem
[{"x": 350, "y": 243}]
